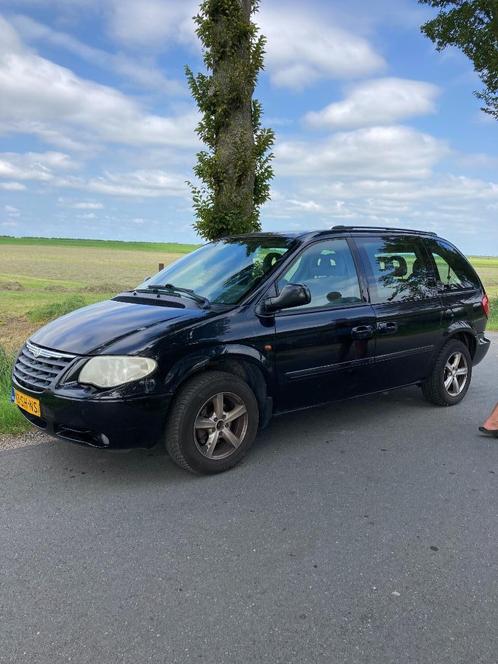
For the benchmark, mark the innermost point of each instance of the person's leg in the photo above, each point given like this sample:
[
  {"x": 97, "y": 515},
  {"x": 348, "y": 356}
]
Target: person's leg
[{"x": 492, "y": 422}]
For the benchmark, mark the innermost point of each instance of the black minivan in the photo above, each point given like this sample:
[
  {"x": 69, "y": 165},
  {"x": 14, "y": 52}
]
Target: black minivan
[{"x": 201, "y": 355}]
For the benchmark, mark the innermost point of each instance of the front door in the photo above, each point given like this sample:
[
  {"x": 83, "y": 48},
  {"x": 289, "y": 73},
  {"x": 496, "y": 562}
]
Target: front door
[
  {"x": 324, "y": 350},
  {"x": 407, "y": 307}
]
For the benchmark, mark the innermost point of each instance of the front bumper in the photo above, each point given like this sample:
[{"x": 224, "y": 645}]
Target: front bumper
[
  {"x": 108, "y": 424},
  {"x": 482, "y": 348}
]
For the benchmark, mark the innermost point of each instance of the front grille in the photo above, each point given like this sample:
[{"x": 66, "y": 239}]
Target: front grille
[{"x": 36, "y": 368}]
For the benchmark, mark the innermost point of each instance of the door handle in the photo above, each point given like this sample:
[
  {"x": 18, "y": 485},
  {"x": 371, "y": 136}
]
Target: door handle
[
  {"x": 387, "y": 328},
  {"x": 362, "y": 332}
]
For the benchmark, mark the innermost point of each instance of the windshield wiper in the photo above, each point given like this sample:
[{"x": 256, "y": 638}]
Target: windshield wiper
[{"x": 186, "y": 291}]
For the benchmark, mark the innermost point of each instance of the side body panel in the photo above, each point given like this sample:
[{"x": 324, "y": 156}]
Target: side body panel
[
  {"x": 460, "y": 290},
  {"x": 318, "y": 359},
  {"x": 408, "y": 335}
]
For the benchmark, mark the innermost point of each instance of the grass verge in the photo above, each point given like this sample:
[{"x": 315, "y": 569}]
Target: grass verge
[
  {"x": 493, "y": 317},
  {"x": 11, "y": 420},
  {"x": 47, "y": 312}
]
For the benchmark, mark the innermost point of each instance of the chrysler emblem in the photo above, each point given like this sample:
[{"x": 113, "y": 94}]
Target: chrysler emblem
[{"x": 36, "y": 351}]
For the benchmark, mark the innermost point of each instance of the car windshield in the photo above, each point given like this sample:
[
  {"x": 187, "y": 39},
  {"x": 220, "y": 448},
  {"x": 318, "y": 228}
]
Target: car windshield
[{"x": 223, "y": 271}]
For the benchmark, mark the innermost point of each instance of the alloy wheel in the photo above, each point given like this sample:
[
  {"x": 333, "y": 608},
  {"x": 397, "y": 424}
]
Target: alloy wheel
[
  {"x": 456, "y": 372},
  {"x": 220, "y": 425}
]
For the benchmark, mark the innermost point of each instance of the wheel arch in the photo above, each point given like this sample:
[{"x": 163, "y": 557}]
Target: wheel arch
[
  {"x": 245, "y": 362},
  {"x": 466, "y": 334}
]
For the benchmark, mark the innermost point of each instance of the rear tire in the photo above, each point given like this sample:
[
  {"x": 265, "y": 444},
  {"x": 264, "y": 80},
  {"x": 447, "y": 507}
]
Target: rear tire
[
  {"x": 212, "y": 423},
  {"x": 451, "y": 375}
]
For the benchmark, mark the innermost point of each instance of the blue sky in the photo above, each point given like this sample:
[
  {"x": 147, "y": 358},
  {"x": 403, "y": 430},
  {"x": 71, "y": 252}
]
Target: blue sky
[{"x": 373, "y": 125}]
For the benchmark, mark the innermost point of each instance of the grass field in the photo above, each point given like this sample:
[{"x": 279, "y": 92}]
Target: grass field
[
  {"x": 167, "y": 247},
  {"x": 40, "y": 279}
]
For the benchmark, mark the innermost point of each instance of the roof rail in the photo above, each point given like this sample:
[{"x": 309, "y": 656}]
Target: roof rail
[{"x": 381, "y": 228}]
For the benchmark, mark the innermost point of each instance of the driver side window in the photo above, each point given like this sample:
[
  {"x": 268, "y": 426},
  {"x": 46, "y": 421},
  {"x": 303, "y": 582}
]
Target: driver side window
[{"x": 328, "y": 270}]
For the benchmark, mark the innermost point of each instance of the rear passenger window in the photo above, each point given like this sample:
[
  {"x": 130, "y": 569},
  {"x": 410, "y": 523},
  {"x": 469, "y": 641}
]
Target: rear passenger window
[
  {"x": 454, "y": 272},
  {"x": 328, "y": 269},
  {"x": 398, "y": 269}
]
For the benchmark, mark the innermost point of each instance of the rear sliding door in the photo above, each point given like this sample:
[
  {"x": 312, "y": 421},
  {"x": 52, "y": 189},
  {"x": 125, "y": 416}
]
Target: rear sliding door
[{"x": 407, "y": 306}]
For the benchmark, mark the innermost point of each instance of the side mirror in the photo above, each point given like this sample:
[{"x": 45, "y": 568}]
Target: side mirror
[{"x": 292, "y": 295}]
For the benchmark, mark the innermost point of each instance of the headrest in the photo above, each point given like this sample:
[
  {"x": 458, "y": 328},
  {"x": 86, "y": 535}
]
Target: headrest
[
  {"x": 270, "y": 260},
  {"x": 325, "y": 266},
  {"x": 395, "y": 264},
  {"x": 418, "y": 267}
]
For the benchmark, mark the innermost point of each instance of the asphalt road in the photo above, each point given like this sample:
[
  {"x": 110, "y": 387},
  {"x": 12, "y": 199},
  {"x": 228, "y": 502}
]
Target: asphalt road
[{"x": 361, "y": 532}]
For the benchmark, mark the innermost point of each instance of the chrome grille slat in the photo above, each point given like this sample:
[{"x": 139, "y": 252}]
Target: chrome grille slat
[
  {"x": 48, "y": 363},
  {"x": 27, "y": 373},
  {"x": 36, "y": 368},
  {"x": 36, "y": 375},
  {"x": 52, "y": 371}
]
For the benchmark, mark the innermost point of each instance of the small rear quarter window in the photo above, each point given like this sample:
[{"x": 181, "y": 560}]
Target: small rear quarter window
[{"x": 453, "y": 271}]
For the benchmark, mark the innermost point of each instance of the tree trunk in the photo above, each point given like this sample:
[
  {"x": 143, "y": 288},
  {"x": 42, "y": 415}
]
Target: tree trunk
[{"x": 235, "y": 138}]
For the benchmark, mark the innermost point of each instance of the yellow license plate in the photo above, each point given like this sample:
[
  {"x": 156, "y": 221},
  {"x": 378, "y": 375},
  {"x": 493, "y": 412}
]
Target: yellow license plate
[{"x": 27, "y": 403}]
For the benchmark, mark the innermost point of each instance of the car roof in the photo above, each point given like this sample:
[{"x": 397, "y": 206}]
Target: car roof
[
  {"x": 306, "y": 235},
  {"x": 381, "y": 230}
]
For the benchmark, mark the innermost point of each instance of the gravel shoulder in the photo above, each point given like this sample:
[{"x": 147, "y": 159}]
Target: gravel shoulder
[{"x": 27, "y": 439}]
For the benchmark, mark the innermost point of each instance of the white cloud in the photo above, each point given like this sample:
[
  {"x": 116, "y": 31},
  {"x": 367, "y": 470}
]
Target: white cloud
[
  {"x": 140, "y": 183},
  {"x": 87, "y": 205},
  {"x": 477, "y": 160},
  {"x": 376, "y": 152},
  {"x": 79, "y": 205},
  {"x": 396, "y": 192},
  {"x": 12, "y": 211},
  {"x": 307, "y": 206},
  {"x": 404, "y": 14},
  {"x": 69, "y": 5},
  {"x": 377, "y": 102},
  {"x": 37, "y": 95},
  {"x": 53, "y": 136},
  {"x": 143, "y": 73},
  {"x": 152, "y": 23},
  {"x": 40, "y": 166},
  {"x": 12, "y": 186},
  {"x": 303, "y": 49},
  {"x": 442, "y": 203}
]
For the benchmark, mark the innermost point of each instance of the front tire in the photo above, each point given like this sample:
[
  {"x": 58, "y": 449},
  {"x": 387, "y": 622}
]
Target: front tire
[
  {"x": 451, "y": 375},
  {"x": 212, "y": 423}
]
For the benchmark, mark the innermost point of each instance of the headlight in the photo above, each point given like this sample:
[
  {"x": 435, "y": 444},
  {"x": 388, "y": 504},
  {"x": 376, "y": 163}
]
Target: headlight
[{"x": 113, "y": 370}]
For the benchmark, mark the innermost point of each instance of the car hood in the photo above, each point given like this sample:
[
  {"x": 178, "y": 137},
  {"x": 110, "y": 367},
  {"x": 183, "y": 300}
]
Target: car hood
[{"x": 98, "y": 327}]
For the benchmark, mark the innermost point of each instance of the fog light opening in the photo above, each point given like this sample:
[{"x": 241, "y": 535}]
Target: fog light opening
[{"x": 105, "y": 440}]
